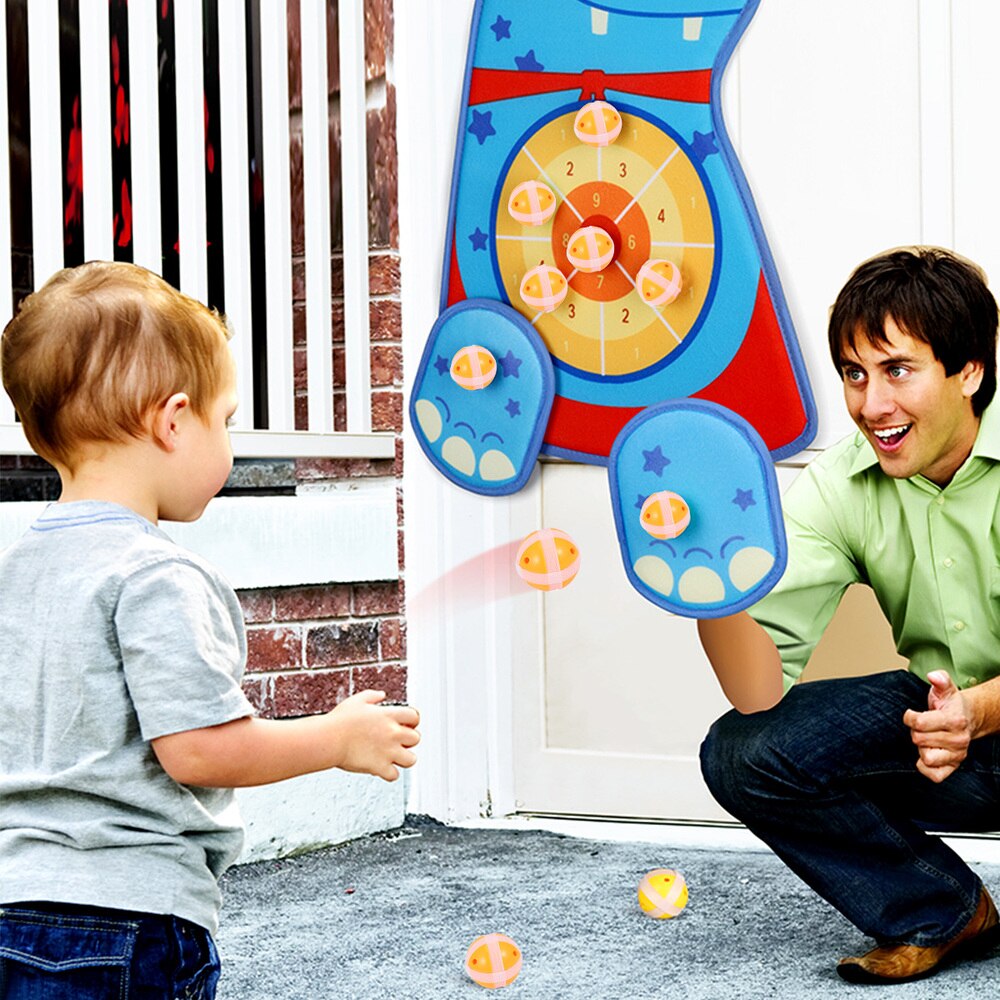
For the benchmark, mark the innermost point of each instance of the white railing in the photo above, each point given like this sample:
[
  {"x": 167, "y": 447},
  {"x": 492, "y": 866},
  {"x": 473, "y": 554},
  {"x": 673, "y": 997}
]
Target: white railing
[{"x": 279, "y": 439}]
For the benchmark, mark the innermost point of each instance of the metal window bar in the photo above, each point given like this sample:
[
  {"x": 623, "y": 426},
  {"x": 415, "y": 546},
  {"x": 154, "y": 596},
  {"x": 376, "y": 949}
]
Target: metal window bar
[{"x": 279, "y": 439}]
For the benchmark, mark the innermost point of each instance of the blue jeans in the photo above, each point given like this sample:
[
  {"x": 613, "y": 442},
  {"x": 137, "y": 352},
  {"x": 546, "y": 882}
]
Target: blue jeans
[
  {"x": 55, "y": 951},
  {"x": 827, "y": 779}
]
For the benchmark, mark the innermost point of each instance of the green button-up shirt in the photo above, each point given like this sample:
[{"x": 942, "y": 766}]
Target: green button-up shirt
[{"x": 931, "y": 555}]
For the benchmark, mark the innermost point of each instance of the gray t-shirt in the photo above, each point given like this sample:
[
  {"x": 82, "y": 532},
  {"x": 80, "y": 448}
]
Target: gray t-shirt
[{"x": 112, "y": 636}]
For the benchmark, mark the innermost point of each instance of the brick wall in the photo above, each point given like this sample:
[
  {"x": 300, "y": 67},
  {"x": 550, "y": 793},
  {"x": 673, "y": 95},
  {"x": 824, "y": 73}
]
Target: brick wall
[{"x": 310, "y": 647}]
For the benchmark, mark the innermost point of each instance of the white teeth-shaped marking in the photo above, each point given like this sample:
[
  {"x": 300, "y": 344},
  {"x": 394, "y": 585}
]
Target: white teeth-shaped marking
[{"x": 888, "y": 432}]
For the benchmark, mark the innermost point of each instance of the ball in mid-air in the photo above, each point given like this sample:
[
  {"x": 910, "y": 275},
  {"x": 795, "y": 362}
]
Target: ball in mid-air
[{"x": 548, "y": 559}]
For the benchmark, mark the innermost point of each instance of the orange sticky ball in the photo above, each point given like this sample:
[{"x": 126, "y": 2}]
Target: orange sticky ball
[
  {"x": 590, "y": 249},
  {"x": 544, "y": 287},
  {"x": 665, "y": 514},
  {"x": 493, "y": 961},
  {"x": 548, "y": 559},
  {"x": 597, "y": 124},
  {"x": 473, "y": 367},
  {"x": 663, "y": 893},
  {"x": 531, "y": 203},
  {"x": 658, "y": 282}
]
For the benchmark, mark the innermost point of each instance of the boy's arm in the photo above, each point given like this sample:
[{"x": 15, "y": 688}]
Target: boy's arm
[
  {"x": 358, "y": 735},
  {"x": 744, "y": 659}
]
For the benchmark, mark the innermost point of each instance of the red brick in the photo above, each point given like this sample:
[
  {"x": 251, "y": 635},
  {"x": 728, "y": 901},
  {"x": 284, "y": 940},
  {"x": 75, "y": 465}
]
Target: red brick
[
  {"x": 400, "y": 549},
  {"x": 378, "y": 598},
  {"x": 378, "y": 37},
  {"x": 296, "y": 178},
  {"x": 390, "y": 679},
  {"x": 387, "y": 411},
  {"x": 300, "y": 372},
  {"x": 301, "y": 412},
  {"x": 304, "y": 603},
  {"x": 386, "y": 365},
  {"x": 399, "y": 506},
  {"x": 392, "y": 639},
  {"x": 298, "y": 280},
  {"x": 337, "y": 319},
  {"x": 299, "y": 324},
  {"x": 397, "y": 465},
  {"x": 258, "y": 606},
  {"x": 257, "y": 690},
  {"x": 385, "y": 319},
  {"x": 310, "y": 693},
  {"x": 274, "y": 648},
  {"x": 383, "y": 203},
  {"x": 311, "y": 470},
  {"x": 342, "y": 645},
  {"x": 383, "y": 274},
  {"x": 294, "y": 59},
  {"x": 339, "y": 367}
]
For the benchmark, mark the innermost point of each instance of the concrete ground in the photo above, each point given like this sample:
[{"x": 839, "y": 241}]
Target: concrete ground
[{"x": 389, "y": 917}]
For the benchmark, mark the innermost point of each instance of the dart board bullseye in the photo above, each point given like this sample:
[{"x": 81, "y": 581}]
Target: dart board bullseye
[{"x": 646, "y": 193}]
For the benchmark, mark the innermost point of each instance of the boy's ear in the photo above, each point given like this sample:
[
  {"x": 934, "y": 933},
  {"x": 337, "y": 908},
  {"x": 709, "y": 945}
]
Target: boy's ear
[{"x": 166, "y": 420}]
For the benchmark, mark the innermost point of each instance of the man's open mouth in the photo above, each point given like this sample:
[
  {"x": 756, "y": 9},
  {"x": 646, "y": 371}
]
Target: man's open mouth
[{"x": 890, "y": 437}]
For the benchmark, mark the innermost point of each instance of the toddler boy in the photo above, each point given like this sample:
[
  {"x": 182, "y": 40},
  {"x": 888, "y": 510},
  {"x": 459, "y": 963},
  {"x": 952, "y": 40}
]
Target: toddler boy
[{"x": 123, "y": 727}]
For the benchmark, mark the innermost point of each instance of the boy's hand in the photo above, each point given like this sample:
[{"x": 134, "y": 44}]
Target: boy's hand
[
  {"x": 943, "y": 733},
  {"x": 376, "y": 739}
]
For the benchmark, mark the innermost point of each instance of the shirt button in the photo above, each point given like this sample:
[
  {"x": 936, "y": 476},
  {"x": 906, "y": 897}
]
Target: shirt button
[
  {"x": 971, "y": 682},
  {"x": 940, "y": 501},
  {"x": 959, "y": 626},
  {"x": 948, "y": 563}
]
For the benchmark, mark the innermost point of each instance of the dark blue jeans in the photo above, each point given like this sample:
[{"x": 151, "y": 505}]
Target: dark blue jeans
[
  {"x": 54, "y": 951},
  {"x": 827, "y": 779}
]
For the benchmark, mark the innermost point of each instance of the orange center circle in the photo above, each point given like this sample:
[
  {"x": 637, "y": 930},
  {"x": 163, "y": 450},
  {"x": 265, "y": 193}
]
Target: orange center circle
[{"x": 598, "y": 203}]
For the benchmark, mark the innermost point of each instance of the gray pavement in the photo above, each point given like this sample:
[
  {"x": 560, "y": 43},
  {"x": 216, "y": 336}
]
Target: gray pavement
[{"x": 391, "y": 916}]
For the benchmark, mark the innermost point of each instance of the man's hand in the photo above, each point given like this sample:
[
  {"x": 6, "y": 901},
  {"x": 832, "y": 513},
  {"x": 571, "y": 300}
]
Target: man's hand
[{"x": 943, "y": 733}]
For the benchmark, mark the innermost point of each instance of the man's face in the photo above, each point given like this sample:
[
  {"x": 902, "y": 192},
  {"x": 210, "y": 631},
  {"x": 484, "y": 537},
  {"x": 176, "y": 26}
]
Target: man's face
[{"x": 919, "y": 420}]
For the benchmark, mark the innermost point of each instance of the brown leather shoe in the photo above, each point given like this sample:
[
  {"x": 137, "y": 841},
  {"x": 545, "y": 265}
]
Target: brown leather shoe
[{"x": 901, "y": 963}]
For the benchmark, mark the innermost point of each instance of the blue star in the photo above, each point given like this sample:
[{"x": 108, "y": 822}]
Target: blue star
[
  {"x": 510, "y": 364},
  {"x": 500, "y": 28},
  {"x": 482, "y": 125},
  {"x": 656, "y": 461},
  {"x": 640, "y": 500},
  {"x": 528, "y": 63},
  {"x": 744, "y": 499},
  {"x": 442, "y": 365},
  {"x": 479, "y": 239},
  {"x": 513, "y": 407},
  {"x": 703, "y": 145}
]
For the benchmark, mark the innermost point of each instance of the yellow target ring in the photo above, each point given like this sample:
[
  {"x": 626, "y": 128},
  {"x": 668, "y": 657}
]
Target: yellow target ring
[{"x": 647, "y": 194}]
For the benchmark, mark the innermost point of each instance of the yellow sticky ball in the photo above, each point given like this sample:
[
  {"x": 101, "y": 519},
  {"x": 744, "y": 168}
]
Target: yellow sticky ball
[
  {"x": 544, "y": 287},
  {"x": 590, "y": 249},
  {"x": 531, "y": 203},
  {"x": 597, "y": 124},
  {"x": 665, "y": 514},
  {"x": 663, "y": 893},
  {"x": 493, "y": 961},
  {"x": 548, "y": 559},
  {"x": 473, "y": 367},
  {"x": 659, "y": 282}
]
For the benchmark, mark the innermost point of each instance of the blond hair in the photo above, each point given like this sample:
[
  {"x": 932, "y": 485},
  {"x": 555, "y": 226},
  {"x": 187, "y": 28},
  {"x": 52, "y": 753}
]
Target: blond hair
[{"x": 90, "y": 354}]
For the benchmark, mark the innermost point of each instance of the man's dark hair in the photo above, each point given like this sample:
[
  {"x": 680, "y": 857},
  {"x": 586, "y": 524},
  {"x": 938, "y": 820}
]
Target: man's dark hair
[{"x": 932, "y": 295}]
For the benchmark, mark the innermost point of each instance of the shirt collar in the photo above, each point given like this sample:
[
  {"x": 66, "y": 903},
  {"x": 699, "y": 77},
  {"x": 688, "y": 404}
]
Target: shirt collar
[{"x": 987, "y": 444}]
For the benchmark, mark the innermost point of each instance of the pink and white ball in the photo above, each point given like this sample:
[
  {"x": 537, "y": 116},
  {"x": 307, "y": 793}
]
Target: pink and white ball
[
  {"x": 659, "y": 282},
  {"x": 473, "y": 367},
  {"x": 665, "y": 514},
  {"x": 597, "y": 124},
  {"x": 531, "y": 203},
  {"x": 548, "y": 559},
  {"x": 544, "y": 288},
  {"x": 590, "y": 249}
]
